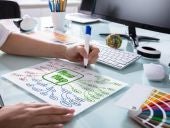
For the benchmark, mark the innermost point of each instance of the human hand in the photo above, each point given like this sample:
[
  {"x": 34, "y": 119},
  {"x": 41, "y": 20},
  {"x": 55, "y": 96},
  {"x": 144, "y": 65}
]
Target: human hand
[
  {"x": 34, "y": 116},
  {"x": 77, "y": 53}
]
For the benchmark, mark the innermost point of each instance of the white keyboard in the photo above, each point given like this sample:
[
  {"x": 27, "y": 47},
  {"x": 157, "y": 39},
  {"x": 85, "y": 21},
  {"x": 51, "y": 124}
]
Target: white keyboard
[{"x": 116, "y": 58}]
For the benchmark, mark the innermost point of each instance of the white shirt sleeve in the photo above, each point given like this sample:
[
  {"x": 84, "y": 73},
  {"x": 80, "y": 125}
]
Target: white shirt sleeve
[{"x": 4, "y": 33}]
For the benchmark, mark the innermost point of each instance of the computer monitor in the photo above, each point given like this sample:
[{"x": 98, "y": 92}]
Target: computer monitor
[
  {"x": 86, "y": 6},
  {"x": 147, "y": 14}
]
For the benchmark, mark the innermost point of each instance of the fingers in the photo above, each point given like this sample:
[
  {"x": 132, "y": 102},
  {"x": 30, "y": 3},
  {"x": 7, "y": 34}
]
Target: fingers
[
  {"x": 93, "y": 54},
  {"x": 37, "y": 105},
  {"x": 51, "y": 109},
  {"x": 50, "y": 126},
  {"x": 52, "y": 119},
  {"x": 82, "y": 51},
  {"x": 32, "y": 105},
  {"x": 51, "y": 115},
  {"x": 78, "y": 53}
]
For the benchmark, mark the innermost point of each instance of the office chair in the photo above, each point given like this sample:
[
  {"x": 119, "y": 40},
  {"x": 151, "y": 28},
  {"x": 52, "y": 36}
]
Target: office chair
[{"x": 9, "y": 9}]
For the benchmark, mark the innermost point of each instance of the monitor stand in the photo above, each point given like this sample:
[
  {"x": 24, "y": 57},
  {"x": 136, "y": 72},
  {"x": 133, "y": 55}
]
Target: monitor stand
[
  {"x": 136, "y": 39},
  {"x": 133, "y": 37}
]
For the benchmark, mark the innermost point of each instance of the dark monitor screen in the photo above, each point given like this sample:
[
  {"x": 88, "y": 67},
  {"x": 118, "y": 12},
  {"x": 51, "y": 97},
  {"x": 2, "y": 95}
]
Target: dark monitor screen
[
  {"x": 147, "y": 14},
  {"x": 86, "y": 6}
]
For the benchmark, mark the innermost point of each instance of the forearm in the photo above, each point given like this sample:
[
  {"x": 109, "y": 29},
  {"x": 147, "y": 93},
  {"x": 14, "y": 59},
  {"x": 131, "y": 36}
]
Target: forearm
[{"x": 23, "y": 45}]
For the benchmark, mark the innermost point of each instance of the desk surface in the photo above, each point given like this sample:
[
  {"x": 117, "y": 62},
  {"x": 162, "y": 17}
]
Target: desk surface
[{"x": 104, "y": 114}]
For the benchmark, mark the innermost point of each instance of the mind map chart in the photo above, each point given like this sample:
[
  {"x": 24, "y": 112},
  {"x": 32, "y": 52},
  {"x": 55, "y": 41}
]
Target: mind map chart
[{"x": 66, "y": 84}]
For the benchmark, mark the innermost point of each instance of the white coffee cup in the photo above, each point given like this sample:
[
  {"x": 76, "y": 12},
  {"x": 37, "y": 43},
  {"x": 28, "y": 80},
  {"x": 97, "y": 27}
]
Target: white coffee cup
[{"x": 58, "y": 20}]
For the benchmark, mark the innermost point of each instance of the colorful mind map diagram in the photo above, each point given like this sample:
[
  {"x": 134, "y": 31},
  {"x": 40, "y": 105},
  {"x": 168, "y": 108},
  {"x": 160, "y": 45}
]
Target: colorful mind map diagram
[
  {"x": 155, "y": 111},
  {"x": 65, "y": 84}
]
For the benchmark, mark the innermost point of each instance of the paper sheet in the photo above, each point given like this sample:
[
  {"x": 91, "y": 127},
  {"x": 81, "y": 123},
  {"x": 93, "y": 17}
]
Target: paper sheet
[
  {"x": 66, "y": 84},
  {"x": 57, "y": 37},
  {"x": 134, "y": 97}
]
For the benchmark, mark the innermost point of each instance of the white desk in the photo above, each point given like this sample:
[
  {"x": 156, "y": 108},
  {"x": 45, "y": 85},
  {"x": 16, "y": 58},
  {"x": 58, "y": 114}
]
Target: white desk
[{"x": 105, "y": 114}]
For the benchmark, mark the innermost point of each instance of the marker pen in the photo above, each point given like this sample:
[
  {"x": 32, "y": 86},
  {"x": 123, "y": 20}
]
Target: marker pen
[{"x": 87, "y": 43}]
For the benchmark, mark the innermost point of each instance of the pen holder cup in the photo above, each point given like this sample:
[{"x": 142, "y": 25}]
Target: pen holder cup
[{"x": 58, "y": 20}]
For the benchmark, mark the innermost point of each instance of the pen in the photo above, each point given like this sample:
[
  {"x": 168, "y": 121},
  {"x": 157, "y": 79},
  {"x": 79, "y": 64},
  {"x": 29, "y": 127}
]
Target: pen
[
  {"x": 61, "y": 5},
  {"x": 1, "y": 102},
  {"x": 65, "y": 4},
  {"x": 50, "y": 5},
  {"x": 87, "y": 41},
  {"x": 57, "y": 6}
]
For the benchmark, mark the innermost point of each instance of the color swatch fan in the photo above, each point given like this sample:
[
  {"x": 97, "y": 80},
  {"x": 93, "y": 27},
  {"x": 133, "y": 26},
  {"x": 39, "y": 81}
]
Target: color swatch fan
[
  {"x": 155, "y": 111},
  {"x": 148, "y": 106}
]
